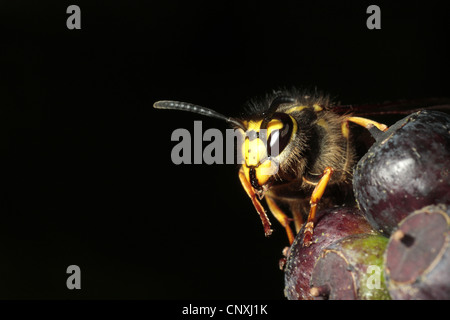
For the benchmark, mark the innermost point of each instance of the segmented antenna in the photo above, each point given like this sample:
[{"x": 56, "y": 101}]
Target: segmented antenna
[{"x": 184, "y": 106}]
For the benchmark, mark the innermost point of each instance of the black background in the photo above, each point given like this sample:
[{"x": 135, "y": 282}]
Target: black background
[{"x": 87, "y": 177}]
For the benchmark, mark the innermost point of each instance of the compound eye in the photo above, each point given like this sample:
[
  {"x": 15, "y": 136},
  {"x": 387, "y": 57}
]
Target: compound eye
[{"x": 280, "y": 138}]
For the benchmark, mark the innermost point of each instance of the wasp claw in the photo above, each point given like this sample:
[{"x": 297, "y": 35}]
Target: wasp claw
[
  {"x": 282, "y": 262},
  {"x": 309, "y": 229},
  {"x": 307, "y": 243}
]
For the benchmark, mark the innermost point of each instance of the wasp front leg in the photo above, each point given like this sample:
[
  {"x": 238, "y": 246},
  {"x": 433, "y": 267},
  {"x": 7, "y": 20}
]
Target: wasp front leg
[
  {"x": 281, "y": 217},
  {"x": 315, "y": 198},
  {"x": 259, "y": 208}
]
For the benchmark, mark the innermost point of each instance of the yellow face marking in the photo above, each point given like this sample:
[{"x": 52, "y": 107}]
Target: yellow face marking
[
  {"x": 265, "y": 171},
  {"x": 255, "y": 150},
  {"x": 274, "y": 124},
  {"x": 254, "y": 125},
  {"x": 296, "y": 109}
]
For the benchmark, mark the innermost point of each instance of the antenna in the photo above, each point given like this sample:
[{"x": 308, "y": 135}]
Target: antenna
[{"x": 184, "y": 106}]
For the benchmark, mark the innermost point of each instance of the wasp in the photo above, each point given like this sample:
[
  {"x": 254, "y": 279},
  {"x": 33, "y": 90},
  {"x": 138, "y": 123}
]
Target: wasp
[{"x": 314, "y": 155}]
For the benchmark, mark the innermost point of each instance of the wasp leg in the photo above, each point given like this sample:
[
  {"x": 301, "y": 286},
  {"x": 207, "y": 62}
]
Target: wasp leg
[
  {"x": 315, "y": 198},
  {"x": 281, "y": 217},
  {"x": 367, "y": 123},
  {"x": 259, "y": 208},
  {"x": 298, "y": 219},
  {"x": 349, "y": 156}
]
